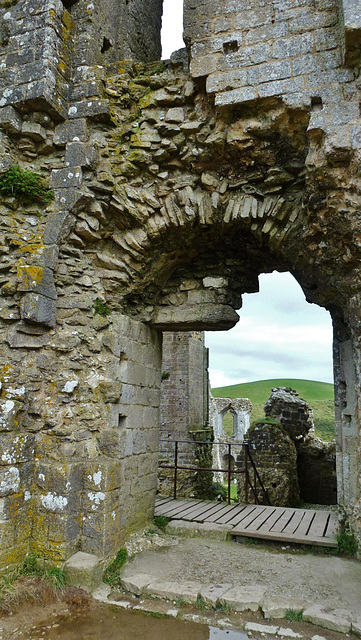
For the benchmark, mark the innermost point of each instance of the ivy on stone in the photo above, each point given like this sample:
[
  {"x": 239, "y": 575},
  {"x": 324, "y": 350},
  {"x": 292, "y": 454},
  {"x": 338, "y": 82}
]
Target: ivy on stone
[
  {"x": 101, "y": 308},
  {"x": 25, "y": 185}
]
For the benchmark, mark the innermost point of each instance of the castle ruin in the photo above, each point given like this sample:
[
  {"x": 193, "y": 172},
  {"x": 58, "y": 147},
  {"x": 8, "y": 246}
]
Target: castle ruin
[{"x": 175, "y": 185}]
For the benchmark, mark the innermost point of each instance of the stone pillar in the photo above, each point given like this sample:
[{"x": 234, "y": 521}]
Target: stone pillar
[{"x": 184, "y": 394}]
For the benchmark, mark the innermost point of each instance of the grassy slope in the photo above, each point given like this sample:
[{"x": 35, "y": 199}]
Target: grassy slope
[{"x": 318, "y": 394}]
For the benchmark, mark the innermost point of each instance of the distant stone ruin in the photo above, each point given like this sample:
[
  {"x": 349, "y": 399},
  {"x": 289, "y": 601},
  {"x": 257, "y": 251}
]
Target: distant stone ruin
[
  {"x": 294, "y": 414},
  {"x": 293, "y": 464}
]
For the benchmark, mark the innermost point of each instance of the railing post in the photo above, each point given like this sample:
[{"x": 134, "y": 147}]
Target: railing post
[
  {"x": 175, "y": 470},
  {"x": 246, "y": 480},
  {"x": 229, "y": 473},
  {"x": 256, "y": 501}
]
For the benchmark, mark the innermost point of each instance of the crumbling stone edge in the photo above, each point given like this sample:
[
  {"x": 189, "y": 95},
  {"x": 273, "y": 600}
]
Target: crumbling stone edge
[{"x": 237, "y": 598}]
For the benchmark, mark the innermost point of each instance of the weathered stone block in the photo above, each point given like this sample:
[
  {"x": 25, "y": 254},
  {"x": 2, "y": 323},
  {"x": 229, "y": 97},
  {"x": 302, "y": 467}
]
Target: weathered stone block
[
  {"x": 10, "y": 120},
  {"x": 71, "y": 131},
  {"x": 84, "y": 570},
  {"x": 38, "y": 309},
  {"x": 57, "y": 227},
  {"x": 244, "y": 598},
  {"x": 79, "y": 154},
  {"x": 236, "y": 96},
  {"x": 66, "y": 178},
  {"x": 333, "y": 619}
]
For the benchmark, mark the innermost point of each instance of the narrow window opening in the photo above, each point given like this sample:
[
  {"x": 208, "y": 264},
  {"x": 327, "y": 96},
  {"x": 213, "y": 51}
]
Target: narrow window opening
[
  {"x": 316, "y": 103},
  {"x": 230, "y": 47}
]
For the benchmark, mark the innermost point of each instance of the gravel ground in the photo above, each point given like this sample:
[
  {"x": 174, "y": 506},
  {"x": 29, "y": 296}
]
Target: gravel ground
[{"x": 315, "y": 578}]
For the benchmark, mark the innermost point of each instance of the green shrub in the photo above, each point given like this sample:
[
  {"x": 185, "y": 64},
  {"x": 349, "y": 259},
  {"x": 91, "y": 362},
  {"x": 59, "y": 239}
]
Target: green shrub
[
  {"x": 25, "y": 185},
  {"x": 347, "y": 543},
  {"x": 111, "y": 574}
]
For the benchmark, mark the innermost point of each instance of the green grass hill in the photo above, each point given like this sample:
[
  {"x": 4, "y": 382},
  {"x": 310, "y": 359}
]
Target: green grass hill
[{"x": 318, "y": 394}]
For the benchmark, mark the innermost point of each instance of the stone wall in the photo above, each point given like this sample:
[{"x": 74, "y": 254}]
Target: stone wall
[
  {"x": 173, "y": 192},
  {"x": 183, "y": 406},
  {"x": 184, "y": 396},
  {"x": 275, "y": 457}
]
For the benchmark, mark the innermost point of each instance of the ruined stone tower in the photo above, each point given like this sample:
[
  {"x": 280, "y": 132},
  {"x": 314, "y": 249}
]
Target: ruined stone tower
[{"x": 175, "y": 185}]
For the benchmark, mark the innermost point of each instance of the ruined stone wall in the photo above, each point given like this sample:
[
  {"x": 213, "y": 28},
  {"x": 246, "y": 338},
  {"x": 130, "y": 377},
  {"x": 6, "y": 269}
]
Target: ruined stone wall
[
  {"x": 183, "y": 405},
  {"x": 113, "y": 30},
  {"x": 184, "y": 396},
  {"x": 170, "y": 199}
]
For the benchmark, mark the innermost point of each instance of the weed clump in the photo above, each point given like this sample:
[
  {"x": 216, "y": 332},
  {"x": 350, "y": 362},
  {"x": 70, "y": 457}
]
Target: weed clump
[
  {"x": 32, "y": 582},
  {"x": 161, "y": 522},
  {"x": 25, "y": 185},
  {"x": 111, "y": 574},
  {"x": 54, "y": 575},
  {"x": 346, "y": 541},
  {"x": 294, "y": 616}
]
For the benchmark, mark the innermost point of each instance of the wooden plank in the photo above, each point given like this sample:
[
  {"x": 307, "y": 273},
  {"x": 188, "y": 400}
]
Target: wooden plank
[
  {"x": 292, "y": 526},
  {"x": 283, "y": 521},
  {"x": 269, "y": 520},
  {"x": 229, "y": 515},
  {"x": 319, "y": 528},
  {"x": 212, "y": 512},
  {"x": 333, "y": 527},
  {"x": 163, "y": 507},
  {"x": 197, "y": 510},
  {"x": 225, "y": 509},
  {"x": 305, "y": 523},
  {"x": 172, "y": 504},
  {"x": 160, "y": 501},
  {"x": 247, "y": 516},
  {"x": 183, "y": 512},
  {"x": 178, "y": 506},
  {"x": 318, "y": 525},
  {"x": 317, "y": 541}
]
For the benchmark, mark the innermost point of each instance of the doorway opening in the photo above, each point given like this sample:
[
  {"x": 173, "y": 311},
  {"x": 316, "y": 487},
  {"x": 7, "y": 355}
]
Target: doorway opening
[{"x": 280, "y": 352}]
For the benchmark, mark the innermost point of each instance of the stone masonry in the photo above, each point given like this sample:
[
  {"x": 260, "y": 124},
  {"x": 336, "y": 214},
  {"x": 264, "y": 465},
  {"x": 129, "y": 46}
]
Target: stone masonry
[{"x": 176, "y": 184}]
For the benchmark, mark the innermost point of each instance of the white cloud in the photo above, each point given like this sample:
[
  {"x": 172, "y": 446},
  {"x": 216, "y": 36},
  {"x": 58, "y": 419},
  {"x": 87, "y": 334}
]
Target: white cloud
[
  {"x": 279, "y": 335},
  {"x": 172, "y": 27}
]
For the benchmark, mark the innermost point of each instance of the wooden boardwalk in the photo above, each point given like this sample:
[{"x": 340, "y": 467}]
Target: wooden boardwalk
[{"x": 303, "y": 526}]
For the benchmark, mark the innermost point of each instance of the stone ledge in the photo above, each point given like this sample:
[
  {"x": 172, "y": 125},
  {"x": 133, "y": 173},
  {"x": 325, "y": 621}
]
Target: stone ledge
[
  {"x": 199, "y": 530},
  {"x": 333, "y": 619},
  {"x": 241, "y": 598}
]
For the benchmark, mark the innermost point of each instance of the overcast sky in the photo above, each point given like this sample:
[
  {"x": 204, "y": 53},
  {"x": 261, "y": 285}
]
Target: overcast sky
[
  {"x": 279, "y": 334},
  {"x": 172, "y": 27}
]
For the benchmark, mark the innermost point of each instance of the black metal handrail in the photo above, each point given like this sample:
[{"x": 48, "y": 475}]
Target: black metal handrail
[{"x": 250, "y": 486}]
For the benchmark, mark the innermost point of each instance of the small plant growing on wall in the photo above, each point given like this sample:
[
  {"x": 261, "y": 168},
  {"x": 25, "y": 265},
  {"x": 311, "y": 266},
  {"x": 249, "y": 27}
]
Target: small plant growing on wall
[
  {"x": 101, "y": 308},
  {"x": 25, "y": 185}
]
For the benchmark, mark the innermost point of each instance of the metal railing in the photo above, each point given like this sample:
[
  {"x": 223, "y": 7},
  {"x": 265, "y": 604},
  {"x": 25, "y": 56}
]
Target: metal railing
[{"x": 253, "y": 485}]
